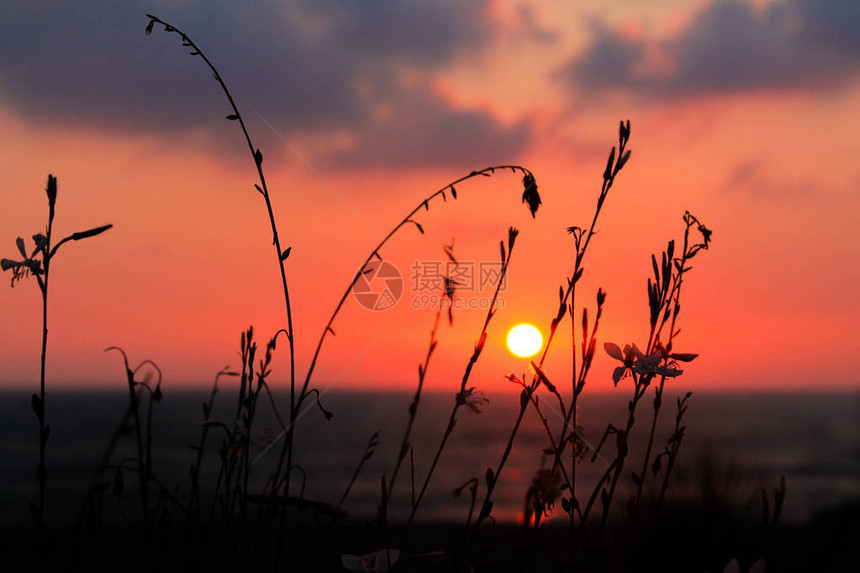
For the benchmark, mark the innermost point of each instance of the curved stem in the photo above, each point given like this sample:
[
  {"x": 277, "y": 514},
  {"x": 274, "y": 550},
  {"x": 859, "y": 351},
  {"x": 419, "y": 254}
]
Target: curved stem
[
  {"x": 462, "y": 395},
  {"x": 264, "y": 191},
  {"x": 375, "y": 252},
  {"x": 424, "y": 204}
]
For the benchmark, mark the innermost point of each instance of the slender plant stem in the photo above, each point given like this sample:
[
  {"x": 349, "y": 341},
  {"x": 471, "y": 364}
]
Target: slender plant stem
[
  {"x": 42, "y": 471},
  {"x": 463, "y": 395},
  {"x": 424, "y": 204},
  {"x": 264, "y": 191},
  {"x": 491, "y": 483},
  {"x": 413, "y": 407},
  {"x": 374, "y": 254},
  {"x": 677, "y": 437},
  {"x": 658, "y": 399},
  {"x": 673, "y": 296}
]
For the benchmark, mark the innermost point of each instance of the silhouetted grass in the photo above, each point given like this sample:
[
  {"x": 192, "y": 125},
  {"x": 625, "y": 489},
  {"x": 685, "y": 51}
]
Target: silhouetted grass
[
  {"x": 238, "y": 517},
  {"x": 38, "y": 264}
]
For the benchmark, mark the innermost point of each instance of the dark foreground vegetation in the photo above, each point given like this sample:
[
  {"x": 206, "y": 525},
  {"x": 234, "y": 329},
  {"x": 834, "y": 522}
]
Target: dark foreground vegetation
[{"x": 240, "y": 521}]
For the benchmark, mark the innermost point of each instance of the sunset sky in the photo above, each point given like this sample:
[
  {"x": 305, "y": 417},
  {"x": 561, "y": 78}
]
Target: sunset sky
[{"x": 745, "y": 112}]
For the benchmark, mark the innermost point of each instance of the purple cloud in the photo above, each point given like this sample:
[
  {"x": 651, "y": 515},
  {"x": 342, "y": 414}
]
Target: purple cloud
[{"x": 728, "y": 47}]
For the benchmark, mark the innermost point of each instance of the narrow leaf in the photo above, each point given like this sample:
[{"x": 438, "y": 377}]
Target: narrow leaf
[
  {"x": 683, "y": 357},
  {"x": 623, "y": 160},
  {"x": 89, "y": 233},
  {"x": 613, "y": 350},
  {"x": 608, "y": 172}
]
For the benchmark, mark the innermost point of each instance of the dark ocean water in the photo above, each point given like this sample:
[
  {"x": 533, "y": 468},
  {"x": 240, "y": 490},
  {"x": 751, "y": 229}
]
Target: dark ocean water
[{"x": 735, "y": 443}]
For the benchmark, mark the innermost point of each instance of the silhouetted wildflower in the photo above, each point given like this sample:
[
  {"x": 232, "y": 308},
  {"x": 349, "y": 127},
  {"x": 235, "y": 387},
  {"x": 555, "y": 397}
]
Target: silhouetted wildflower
[
  {"x": 544, "y": 489},
  {"x": 634, "y": 360},
  {"x": 530, "y": 193},
  {"x": 473, "y": 399},
  {"x": 29, "y": 264}
]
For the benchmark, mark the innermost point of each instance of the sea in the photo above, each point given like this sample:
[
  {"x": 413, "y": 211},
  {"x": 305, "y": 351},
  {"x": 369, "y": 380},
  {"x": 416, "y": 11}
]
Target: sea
[{"x": 734, "y": 447}]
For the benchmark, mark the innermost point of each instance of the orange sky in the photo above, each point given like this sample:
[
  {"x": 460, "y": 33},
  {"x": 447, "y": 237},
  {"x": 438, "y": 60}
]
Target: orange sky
[{"x": 758, "y": 141}]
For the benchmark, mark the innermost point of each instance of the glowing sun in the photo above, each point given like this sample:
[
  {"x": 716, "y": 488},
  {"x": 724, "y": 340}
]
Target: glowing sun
[{"x": 524, "y": 340}]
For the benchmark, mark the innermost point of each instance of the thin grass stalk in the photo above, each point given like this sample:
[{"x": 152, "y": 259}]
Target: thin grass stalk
[
  {"x": 154, "y": 396},
  {"x": 675, "y": 446},
  {"x": 249, "y": 417},
  {"x": 464, "y": 394},
  {"x": 492, "y": 478},
  {"x": 660, "y": 297},
  {"x": 263, "y": 189},
  {"x": 614, "y": 166},
  {"x": 142, "y": 475},
  {"x": 369, "y": 449},
  {"x": 408, "y": 220},
  {"x": 567, "y": 297},
  {"x": 194, "y": 499},
  {"x": 44, "y": 430},
  {"x": 671, "y": 306},
  {"x": 615, "y": 163},
  {"x": 413, "y": 407},
  {"x": 653, "y": 338},
  {"x": 296, "y": 400},
  {"x": 472, "y": 484},
  {"x": 244, "y": 420},
  {"x": 622, "y": 449},
  {"x": 533, "y": 398}
]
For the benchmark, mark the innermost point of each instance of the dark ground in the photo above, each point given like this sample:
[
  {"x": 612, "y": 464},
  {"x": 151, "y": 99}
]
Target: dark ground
[{"x": 680, "y": 541}]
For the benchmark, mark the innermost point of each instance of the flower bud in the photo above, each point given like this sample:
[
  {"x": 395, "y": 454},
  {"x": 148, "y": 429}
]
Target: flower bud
[{"x": 51, "y": 190}]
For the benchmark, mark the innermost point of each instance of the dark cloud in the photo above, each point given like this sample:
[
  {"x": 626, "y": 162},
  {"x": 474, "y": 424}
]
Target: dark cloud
[
  {"x": 419, "y": 129},
  {"x": 310, "y": 65},
  {"x": 731, "y": 46},
  {"x": 425, "y": 32},
  {"x": 608, "y": 61}
]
